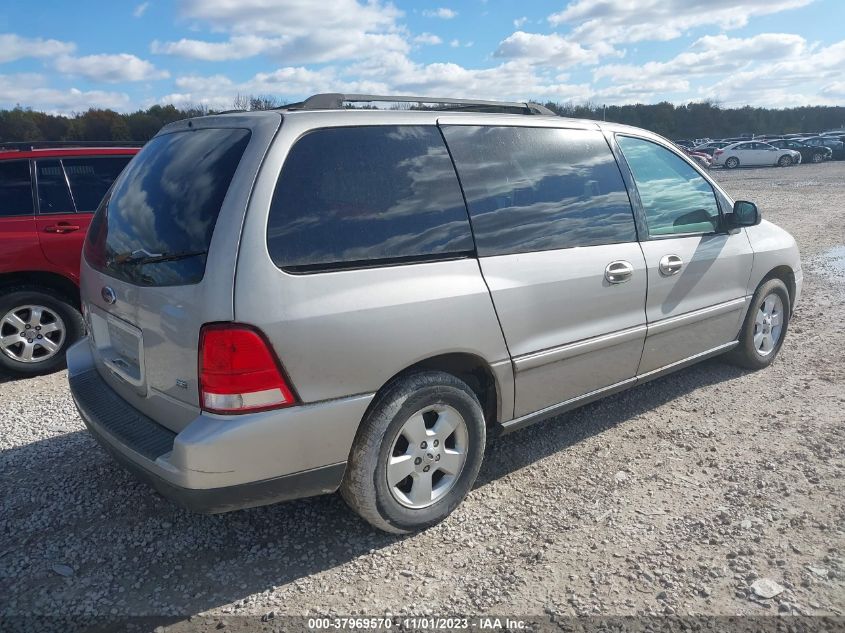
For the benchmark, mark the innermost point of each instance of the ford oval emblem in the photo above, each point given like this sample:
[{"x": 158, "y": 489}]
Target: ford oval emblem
[{"x": 108, "y": 295}]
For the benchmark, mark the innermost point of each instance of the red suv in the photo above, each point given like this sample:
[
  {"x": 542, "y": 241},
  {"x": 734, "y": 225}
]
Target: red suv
[{"x": 47, "y": 197}]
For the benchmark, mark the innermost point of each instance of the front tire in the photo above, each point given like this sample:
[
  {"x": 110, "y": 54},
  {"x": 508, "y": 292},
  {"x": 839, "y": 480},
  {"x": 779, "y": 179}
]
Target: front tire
[
  {"x": 37, "y": 325},
  {"x": 765, "y": 326},
  {"x": 732, "y": 162},
  {"x": 417, "y": 453},
  {"x": 818, "y": 157},
  {"x": 785, "y": 161}
]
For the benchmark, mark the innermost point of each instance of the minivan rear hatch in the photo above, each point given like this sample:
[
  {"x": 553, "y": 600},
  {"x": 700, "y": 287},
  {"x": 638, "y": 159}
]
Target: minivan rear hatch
[{"x": 159, "y": 258}]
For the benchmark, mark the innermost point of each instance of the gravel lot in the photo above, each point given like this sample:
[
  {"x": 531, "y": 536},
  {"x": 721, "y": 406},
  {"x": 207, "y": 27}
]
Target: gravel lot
[{"x": 674, "y": 497}]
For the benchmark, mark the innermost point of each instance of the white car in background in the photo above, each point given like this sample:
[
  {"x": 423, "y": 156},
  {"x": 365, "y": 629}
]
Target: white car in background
[{"x": 754, "y": 153}]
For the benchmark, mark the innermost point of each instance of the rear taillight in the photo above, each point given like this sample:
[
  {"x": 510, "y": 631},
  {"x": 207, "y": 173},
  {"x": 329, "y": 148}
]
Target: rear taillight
[
  {"x": 239, "y": 372},
  {"x": 717, "y": 152}
]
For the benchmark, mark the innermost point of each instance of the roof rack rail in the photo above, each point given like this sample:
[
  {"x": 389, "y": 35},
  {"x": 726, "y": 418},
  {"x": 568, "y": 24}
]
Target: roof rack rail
[
  {"x": 335, "y": 101},
  {"x": 26, "y": 146}
]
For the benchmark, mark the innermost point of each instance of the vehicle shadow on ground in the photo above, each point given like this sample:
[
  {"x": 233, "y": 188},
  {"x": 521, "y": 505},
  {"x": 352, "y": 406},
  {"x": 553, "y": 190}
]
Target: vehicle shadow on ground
[{"x": 132, "y": 551}]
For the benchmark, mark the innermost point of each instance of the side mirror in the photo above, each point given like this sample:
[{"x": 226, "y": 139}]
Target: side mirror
[{"x": 744, "y": 214}]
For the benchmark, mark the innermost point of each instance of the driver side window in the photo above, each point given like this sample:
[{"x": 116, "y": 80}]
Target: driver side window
[{"x": 675, "y": 197}]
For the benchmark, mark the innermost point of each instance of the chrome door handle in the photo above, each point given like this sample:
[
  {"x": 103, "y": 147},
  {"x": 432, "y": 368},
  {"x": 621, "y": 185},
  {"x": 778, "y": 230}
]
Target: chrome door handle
[
  {"x": 61, "y": 227},
  {"x": 671, "y": 264},
  {"x": 618, "y": 272}
]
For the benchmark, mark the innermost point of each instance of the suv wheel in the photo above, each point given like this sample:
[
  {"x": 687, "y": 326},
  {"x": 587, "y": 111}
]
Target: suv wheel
[
  {"x": 36, "y": 327},
  {"x": 785, "y": 160},
  {"x": 732, "y": 162},
  {"x": 765, "y": 326},
  {"x": 417, "y": 453}
]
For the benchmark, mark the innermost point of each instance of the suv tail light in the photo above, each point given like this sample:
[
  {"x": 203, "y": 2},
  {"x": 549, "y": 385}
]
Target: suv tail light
[
  {"x": 239, "y": 372},
  {"x": 718, "y": 151}
]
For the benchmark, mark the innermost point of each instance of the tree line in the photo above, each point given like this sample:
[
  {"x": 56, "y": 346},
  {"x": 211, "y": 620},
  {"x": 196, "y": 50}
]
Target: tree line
[{"x": 692, "y": 120}]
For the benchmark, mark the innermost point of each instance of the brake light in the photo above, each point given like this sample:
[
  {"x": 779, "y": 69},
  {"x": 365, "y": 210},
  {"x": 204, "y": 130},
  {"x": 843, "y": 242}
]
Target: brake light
[
  {"x": 718, "y": 151},
  {"x": 239, "y": 371}
]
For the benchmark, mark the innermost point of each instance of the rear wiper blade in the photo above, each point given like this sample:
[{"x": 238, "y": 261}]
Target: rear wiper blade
[{"x": 162, "y": 257}]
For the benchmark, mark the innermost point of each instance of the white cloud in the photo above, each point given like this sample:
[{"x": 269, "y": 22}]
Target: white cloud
[
  {"x": 548, "y": 50},
  {"x": 643, "y": 91},
  {"x": 110, "y": 68},
  {"x": 520, "y": 22},
  {"x": 793, "y": 81},
  {"x": 712, "y": 54},
  {"x": 14, "y": 47},
  {"x": 290, "y": 30},
  {"x": 141, "y": 9},
  {"x": 237, "y": 47},
  {"x": 32, "y": 90},
  {"x": 835, "y": 90},
  {"x": 427, "y": 38},
  {"x": 639, "y": 20},
  {"x": 455, "y": 43},
  {"x": 289, "y": 83},
  {"x": 443, "y": 13}
]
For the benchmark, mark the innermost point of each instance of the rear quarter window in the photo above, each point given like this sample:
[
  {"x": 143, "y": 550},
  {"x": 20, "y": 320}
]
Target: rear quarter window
[
  {"x": 91, "y": 177},
  {"x": 15, "y": 188},
  {"x": 365, "y": 196}
]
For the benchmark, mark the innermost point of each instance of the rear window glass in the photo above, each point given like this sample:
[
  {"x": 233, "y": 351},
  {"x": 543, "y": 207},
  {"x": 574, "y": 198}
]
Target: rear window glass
[
  {"x": 535, "y": 189},
  {"x": 15, "y": 188},
  {"x": 53, "y": 193},
  {"x": 155, "y": 227},
  {"x": 366, "y": 196},
  {"x": 90, "y": 178}
]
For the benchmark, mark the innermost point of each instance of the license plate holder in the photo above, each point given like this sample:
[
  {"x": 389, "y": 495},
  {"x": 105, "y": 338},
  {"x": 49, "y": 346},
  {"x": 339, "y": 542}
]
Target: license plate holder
[{"x": 120, "y": 346}]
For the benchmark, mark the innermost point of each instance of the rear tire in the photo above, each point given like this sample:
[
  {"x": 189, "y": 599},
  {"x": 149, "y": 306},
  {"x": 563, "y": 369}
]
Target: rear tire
[
  {"x": 732, "y": 162},
  {"x": 818, "y": 157},
  {"x": 785, "y": 160},
  {"x": 408, "y": 431},
  {"x": 30, "y": 312},
  {"x": 765, "y": 326}
]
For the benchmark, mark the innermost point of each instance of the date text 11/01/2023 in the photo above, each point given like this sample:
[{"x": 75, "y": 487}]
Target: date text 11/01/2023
[{"x": 421, "y": 623}]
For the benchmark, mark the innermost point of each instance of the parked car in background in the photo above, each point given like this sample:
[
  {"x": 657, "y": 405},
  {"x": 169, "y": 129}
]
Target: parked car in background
[
  {"x": 754, "y": 154},
  {"x": 47, "y": 197},
  {"x": 702, "y": 158},
  {"x": 709, "y": 148},
  {"x": 836, "y": 146},
  {"x": 686, "y": 143},
  {"x": 809, "y": 153},
  {"x": 352, "y": 299}
]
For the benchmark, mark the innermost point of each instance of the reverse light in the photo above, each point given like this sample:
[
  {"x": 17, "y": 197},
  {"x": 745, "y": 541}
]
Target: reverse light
[{"x": 239, "y": 372}]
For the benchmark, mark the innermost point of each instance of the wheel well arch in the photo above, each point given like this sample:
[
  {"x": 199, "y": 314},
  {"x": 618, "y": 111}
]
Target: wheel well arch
[
  {"x": 53, "y": 281},
  {"x": 470, "y": 368},
  {"x": 787, "y": 276}
]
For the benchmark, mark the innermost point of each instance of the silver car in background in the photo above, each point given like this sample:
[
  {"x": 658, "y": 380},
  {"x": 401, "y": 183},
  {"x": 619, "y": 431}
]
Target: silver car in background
[
  {"x": 287, "y": 303},
  {"x": 755, "y": 154}
]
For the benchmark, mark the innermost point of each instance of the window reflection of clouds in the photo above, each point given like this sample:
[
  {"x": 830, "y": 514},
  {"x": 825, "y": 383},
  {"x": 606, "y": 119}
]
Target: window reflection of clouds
[
  {"x": 669, "y": 188},
  {"x": 354, "y": 194},
  {"x": 532, "y": 189},
  {"x": 168, "y": 199}
]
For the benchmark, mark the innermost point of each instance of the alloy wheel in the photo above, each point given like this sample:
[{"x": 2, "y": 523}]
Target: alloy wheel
[
  {"x": 31, "y": 333},
  {"x": 768, "y": 324},
  {"x": 427, "y": 456}
]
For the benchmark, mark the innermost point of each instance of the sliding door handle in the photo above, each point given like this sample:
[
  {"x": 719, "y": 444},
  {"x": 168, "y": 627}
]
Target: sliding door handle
[{"x": 618, "y": 272}]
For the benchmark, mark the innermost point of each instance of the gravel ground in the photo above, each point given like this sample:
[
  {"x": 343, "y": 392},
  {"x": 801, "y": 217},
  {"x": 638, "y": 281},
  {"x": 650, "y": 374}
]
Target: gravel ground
[{"x": 673, "y": 497}]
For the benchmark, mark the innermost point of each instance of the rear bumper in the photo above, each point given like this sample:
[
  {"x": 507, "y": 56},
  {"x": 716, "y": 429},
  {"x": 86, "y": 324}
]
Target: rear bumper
[{"x": 216, "y": 465}]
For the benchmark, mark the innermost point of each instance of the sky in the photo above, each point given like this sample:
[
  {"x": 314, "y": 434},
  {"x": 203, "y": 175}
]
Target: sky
[{"x": 65, "y": 57}]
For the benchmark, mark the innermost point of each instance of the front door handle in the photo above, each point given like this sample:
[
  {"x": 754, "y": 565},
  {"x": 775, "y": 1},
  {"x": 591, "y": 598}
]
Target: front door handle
[
  {"x": 671, "y": 265},
  {"x": 618, "y": 272},
  {"x": 61, "y": 227}
]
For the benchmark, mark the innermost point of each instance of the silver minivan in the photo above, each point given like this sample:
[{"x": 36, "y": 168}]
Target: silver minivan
[{"x": 291, "y": 302}]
